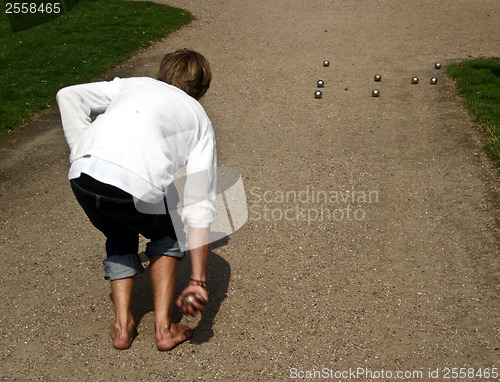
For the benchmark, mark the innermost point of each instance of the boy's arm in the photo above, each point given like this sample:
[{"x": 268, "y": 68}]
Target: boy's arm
[
  {"x": 198, "y": 244},
  {"x": 77, "y": 103},
  {"x": 198, "y": 239},
  {"x": 200, "y": 189},
  {"x": 199, "y": 212}
]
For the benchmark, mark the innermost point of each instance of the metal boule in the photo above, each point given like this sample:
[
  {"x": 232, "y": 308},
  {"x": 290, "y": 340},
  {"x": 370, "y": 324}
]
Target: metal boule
[{"x": 189, "y": 299}]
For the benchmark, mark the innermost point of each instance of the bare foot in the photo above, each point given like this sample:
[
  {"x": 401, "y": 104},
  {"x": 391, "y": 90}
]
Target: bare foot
[
  {"x": 123, "y": 337},
  {"x": 172, "y": 336}
]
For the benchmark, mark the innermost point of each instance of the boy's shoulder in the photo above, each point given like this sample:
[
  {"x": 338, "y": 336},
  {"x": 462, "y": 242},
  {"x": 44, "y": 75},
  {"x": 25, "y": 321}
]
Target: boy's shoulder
[
  {"x": 141, "y": 82},
  {"x": 153, "y": 84},
  {"x": 170, "y": 93}
]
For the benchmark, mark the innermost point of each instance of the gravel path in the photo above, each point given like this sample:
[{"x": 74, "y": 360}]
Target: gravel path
[{"x": 404, "y": 277}]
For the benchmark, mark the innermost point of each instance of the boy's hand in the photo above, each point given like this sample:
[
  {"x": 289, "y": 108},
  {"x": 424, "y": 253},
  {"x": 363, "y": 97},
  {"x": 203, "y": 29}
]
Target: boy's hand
[{"x": 198, "y": 304}]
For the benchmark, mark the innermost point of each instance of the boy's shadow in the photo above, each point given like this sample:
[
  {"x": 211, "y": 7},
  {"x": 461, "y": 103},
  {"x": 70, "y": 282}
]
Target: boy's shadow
[{"x": 218, "y": 274}]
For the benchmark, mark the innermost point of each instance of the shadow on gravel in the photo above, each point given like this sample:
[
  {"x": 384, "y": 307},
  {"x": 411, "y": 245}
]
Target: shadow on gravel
[{"x": 218, "y": 275}]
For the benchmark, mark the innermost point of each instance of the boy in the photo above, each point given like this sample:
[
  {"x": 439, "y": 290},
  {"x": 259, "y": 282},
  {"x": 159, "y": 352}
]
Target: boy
[{"x": 122, "y": 164}]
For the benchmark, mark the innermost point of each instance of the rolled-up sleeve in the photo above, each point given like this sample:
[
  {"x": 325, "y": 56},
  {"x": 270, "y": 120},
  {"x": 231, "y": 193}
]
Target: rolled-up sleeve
[{"x": 200, "y": 190}]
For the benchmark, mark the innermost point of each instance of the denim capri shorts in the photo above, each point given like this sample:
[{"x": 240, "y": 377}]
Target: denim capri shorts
[{"x": 121, "y": 223}]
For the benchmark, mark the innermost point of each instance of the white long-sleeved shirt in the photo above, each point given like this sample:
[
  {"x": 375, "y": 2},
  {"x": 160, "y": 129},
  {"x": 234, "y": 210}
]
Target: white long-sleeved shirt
[{"x": 144, "y": 132}]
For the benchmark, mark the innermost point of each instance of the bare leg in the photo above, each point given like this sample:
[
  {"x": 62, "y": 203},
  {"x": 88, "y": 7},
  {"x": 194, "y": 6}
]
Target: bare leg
[
  {"x": 163, "y": 272},
  {"x": 123, "y": 331}
]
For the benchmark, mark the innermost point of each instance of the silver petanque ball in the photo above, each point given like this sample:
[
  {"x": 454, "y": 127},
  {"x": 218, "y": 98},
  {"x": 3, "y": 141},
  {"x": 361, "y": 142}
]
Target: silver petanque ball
[
  {"x": 414, "y": 80},
  {"x": 377, "y": 77},
  {"x": 320, "y": 83},
  {"x": 434, "y": 81},
  {"x": 326, "y": 63},
  {"x": 318, "y": 94},
  {"x": 437, "y": 65},
  {"x": 375, "y": 93},
  {"x": 188, "y": 299}
]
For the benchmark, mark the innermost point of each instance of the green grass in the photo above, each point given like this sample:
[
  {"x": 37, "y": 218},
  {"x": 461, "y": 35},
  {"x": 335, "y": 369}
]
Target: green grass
[
  {"x": 478, "y": 82},
  {"x": 76, "y": 47}
]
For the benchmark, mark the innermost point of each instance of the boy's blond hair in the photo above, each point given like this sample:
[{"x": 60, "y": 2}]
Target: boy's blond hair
[{"x": 188, "y": 70}]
